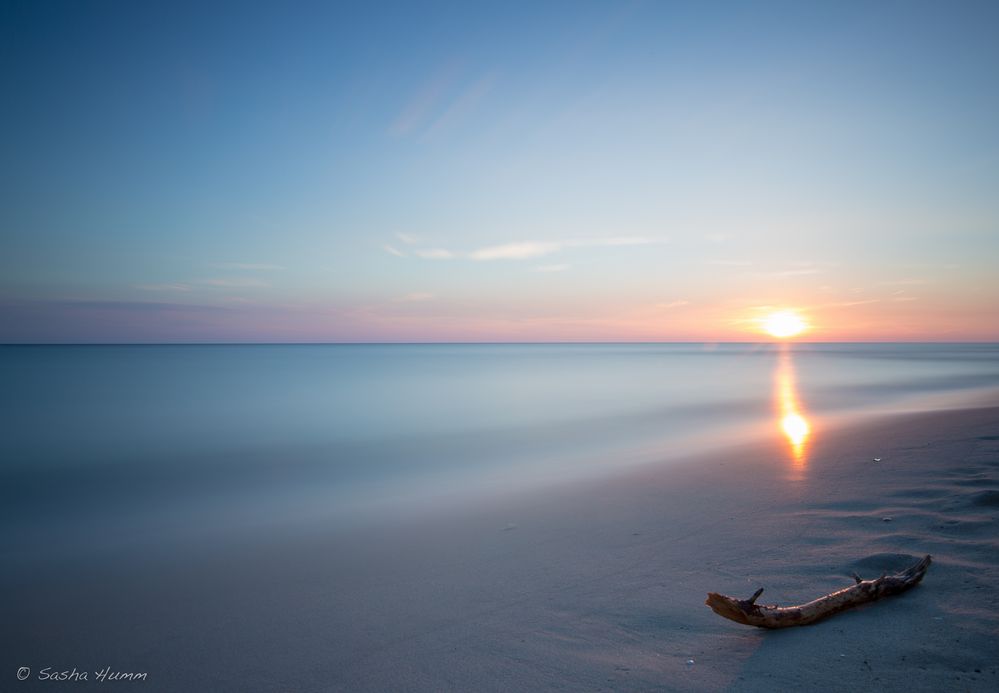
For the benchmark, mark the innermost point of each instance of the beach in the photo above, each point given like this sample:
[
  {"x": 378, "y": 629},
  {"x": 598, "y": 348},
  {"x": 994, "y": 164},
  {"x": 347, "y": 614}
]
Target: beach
[
  {"x": 594, "y": 585},
  {"x": 491, "y": 347}
]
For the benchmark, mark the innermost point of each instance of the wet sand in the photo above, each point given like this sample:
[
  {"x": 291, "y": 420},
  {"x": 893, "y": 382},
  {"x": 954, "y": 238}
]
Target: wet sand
[{"x": 592, "y": 586}]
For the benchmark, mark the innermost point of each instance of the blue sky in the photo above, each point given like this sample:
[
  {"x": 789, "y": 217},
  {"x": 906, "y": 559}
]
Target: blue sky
[{"x": 498, "y": 171}]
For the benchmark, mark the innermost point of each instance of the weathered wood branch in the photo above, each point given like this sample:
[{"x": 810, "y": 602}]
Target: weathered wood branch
[{"x": 747, "y": 611}]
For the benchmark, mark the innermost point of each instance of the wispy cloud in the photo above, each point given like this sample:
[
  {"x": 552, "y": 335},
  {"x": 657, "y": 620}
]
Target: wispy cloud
[
  {"x": 847, "y": 304},
  {"x": 416, "y": 112},
  {"x": 125, "y": 306},
  {"x": 524, "y": 250},
  {"x": 673, "y": 304},
  {"x": 718, "y": 238},
  {"x": 463, "y": 105},
  {"x": 903, "y": 282},
  {"x": 416, "y": 297},
  {"x": 730, "y": 263},
  {"x": 234, "y": 282},
  {"x": 177, "y": 286},
  {"x": 434, "y": 253},
  {"x": 782, "y": 274},
  {"x": 614, "y": 241},
  {"x": 249, "y": 266},
  {"x": 528, "y": 249},
  {"x": 518, "y": 250},
  {"x": 214, "y": 282}
]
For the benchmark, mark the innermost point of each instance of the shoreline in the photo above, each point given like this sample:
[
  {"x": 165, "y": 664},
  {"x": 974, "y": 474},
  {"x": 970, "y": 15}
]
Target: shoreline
[{"x": 596, "y": 585}]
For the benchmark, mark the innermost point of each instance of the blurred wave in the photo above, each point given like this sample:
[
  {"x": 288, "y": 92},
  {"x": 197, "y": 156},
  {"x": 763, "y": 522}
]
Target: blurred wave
[{"x": 117, "y": 440}]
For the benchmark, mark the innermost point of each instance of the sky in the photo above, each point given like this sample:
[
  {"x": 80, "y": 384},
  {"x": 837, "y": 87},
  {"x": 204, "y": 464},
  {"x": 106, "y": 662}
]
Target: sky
[{"x": 497, "y": 171}]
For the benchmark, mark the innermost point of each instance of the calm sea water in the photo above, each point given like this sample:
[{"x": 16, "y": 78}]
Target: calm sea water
[{"x": 121, "y": 441}]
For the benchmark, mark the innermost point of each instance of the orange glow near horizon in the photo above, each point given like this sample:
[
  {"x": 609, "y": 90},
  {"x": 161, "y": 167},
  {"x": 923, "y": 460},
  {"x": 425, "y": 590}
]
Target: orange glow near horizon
[{"x": 792, "y": 420}]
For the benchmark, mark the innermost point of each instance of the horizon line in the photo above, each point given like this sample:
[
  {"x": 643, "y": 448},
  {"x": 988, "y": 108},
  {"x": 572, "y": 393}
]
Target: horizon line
[{"x": 496, "y": 342}]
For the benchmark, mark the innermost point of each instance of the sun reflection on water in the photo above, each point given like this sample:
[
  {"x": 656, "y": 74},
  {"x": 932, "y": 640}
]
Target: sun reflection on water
[{"x": 792, "y": 419}]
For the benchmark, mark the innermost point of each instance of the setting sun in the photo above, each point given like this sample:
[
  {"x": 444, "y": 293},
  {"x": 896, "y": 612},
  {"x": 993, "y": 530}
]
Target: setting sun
[{"x": 786, "y": 323}]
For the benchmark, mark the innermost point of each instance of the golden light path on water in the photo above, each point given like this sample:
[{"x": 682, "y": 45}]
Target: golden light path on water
[{"x": 792, "y": 419}]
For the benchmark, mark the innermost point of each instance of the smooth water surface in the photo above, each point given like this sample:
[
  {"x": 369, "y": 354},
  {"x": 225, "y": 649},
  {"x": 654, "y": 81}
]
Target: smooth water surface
[{"x": 181, "y": 439}]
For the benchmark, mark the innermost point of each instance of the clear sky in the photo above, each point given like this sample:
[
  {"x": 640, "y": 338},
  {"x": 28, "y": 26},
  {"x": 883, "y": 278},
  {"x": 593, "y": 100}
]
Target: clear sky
[{"x": 497, "y": 171}]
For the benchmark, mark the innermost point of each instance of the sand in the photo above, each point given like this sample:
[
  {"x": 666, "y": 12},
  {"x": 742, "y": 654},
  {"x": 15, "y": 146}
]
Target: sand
[{"x": 591, "y": 586}]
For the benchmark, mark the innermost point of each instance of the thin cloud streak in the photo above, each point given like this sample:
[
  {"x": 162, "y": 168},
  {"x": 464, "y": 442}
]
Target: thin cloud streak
[
  {"x": 215, "y": 283},
  {"x": 416, "y": 297},
  {"x": 234, "y": 282},
  {"x": 526, "y": 250},
  {"x": 462, "y": 106},
  {"x": 515, "y": 251},
  {"x": 718, "y": 238},
  {"x": 416, "y": 112},
  {"x": 434, "y": 254},
  {"x": 781, "y": 274},
  {"x": 250, "y": 266},
  {"x": 730, "y": 263},
  {"x": 903, "y": 282},
  {"x": 164, "y": 287}
]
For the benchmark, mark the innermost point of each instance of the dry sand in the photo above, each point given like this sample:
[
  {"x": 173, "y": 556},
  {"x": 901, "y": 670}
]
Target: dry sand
[{"x": 595, "y": 586}]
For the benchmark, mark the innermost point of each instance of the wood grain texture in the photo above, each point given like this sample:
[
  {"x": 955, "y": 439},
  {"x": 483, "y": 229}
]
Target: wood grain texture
[{"x": 748, "y": 612}]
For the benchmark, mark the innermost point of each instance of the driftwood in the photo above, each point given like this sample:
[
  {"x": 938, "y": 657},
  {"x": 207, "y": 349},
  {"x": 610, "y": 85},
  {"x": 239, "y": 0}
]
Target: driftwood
[{"x": 747, "y": 611}]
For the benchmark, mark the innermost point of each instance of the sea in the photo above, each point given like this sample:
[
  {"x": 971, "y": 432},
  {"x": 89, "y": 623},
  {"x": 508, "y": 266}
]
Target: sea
[{"x": 104, "y": 445}]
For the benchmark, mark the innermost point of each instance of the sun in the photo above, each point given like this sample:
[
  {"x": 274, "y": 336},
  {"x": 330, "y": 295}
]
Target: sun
[{"x": 785, "y": 323}]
